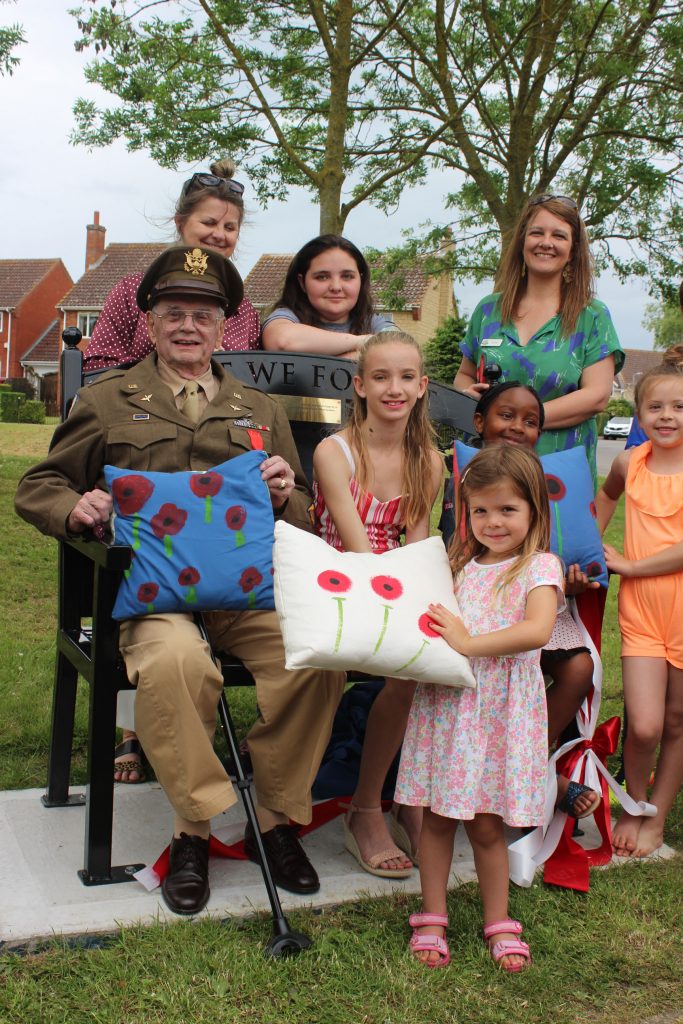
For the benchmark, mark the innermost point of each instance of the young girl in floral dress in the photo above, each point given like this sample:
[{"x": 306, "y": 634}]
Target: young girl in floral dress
[{"x": 480, "y": 756}]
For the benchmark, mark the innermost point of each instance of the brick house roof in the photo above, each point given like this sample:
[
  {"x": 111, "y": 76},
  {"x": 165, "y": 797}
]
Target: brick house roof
[
  {"x": 263, "y": 283},
  {"x": 638, "y": 361},
  {"x": 19, "y": 277},
  {"x": 47, "y": 347},
  {"x": 119, "y": 259}
]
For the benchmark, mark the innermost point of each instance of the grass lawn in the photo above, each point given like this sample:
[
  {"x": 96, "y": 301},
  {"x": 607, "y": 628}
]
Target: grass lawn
[{"x": 613, "y": 954}]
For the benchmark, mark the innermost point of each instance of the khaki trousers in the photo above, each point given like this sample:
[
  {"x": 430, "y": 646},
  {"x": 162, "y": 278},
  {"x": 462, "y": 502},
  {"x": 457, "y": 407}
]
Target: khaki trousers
[{"x": 178, "y": 688}]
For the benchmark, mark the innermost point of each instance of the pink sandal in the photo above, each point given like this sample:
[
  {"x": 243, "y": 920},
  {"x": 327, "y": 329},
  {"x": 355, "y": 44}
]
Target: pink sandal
[
  {"x": 430, "y": 943},
  {"x": 507, "y": 947}
]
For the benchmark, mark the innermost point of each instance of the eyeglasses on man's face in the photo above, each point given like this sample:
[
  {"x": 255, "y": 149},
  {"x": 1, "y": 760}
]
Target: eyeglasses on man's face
[{"x": 199, "y": 317}]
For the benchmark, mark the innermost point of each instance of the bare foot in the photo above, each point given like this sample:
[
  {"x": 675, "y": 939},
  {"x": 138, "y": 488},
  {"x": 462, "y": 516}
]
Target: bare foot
[
  {"x": 650, "y": 837},
  {"x": 369, "y": 829},
  {"x": 625, "y": 835}
]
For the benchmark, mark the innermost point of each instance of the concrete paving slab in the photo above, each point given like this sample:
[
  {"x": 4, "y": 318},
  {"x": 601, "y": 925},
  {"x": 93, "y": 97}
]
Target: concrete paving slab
[{"x": 41, "y": 850}]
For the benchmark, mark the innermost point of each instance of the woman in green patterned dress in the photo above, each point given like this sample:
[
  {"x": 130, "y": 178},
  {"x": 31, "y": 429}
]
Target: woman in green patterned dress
[{"x": 544, "y": 327}]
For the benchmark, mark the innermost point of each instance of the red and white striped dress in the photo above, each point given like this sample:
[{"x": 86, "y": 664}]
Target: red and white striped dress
[{"x": 381, "y": 519}]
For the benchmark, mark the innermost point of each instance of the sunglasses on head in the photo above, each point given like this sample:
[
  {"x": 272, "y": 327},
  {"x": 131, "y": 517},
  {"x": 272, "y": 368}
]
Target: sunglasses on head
[
  {"x": 546, "y": 197},
  {"x": 203, "y": 180}
]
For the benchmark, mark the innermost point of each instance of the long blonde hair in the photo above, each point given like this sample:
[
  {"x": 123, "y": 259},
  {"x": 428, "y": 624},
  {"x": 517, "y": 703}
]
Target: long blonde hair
[
  {"x": 670, "y": 366},
  {"x": 418, "y": 439},
  {"x": 576, "y": 287},
  {"x": 489, "y": 467}
]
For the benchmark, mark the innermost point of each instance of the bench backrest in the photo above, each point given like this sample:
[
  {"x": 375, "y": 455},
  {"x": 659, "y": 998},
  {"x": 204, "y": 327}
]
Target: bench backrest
[{"x": 314, "y": 390}]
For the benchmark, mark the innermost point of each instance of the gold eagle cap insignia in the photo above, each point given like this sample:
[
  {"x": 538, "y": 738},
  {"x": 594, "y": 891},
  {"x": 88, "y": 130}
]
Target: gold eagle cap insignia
[{"x": 196, "y": 262}]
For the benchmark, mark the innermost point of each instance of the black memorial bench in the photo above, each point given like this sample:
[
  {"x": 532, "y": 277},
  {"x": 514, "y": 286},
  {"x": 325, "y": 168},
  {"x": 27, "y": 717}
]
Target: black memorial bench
[{"x": 314, "y": 390}]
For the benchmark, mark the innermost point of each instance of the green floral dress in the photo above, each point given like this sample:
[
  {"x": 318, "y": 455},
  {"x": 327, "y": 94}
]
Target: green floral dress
[{"x": 550, "y": 362}]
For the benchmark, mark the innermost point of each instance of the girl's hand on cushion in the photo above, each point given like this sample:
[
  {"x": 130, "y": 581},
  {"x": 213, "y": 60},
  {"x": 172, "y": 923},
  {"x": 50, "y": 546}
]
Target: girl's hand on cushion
[
  {"x": 450, "y": 627},
  {"x": 577, "y": 581}
]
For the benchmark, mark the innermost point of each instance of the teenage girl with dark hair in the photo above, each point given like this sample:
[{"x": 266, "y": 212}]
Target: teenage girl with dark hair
[{"x": 326, "y": 305}]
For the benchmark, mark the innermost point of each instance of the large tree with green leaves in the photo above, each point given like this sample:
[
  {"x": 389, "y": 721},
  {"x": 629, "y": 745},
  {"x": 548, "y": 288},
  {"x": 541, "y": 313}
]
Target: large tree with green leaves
[
  {"x": 582, "y": 97},
  {"x": 282, "y": 87}
]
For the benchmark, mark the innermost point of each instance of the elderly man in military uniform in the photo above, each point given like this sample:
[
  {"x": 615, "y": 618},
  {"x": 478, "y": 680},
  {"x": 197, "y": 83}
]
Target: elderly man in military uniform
[{"x": 177, "y": 410}]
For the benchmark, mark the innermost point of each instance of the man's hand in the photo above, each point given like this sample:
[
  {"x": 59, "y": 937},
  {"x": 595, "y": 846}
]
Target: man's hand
[
  {"x": 92, "y": 509},
  {"x": 279, "y": 477}
]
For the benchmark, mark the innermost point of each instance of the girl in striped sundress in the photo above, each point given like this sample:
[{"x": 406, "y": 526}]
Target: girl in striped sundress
[{"x": 374, "y": 480}]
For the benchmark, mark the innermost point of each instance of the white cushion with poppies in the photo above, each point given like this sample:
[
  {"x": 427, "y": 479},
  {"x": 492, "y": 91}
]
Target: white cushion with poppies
[{"x": 367, "y": 612}]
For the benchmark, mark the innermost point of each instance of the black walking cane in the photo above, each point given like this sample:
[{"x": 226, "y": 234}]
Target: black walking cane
[{"x": 283, "y": 941}]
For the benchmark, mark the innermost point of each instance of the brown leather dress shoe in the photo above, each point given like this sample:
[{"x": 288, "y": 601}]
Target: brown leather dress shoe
[
  {"x": 289, "y": 865},
  {"x": 186, "y": 887}
]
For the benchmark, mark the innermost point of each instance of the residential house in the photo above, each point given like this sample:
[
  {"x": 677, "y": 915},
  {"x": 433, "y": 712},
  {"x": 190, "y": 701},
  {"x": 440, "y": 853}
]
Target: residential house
[
  {"x": 104, "y": 267},
  {"x": 29, "y": 293},
  {"x": 425, "y": 301},
  {"x": 638, "y": 361}
]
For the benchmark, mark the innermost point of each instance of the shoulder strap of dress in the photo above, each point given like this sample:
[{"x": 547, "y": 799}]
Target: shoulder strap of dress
[{"x": 343, "y": 444}]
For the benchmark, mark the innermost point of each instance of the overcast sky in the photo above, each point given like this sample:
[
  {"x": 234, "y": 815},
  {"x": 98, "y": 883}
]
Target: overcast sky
[{"x": 50, "y": 188}]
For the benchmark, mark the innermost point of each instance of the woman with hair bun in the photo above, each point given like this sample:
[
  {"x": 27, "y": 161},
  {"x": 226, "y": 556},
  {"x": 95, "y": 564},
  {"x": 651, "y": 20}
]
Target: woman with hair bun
[
  {"x": 326, "y": 305},
  {"x": 209, "y": 213},
  {"x": 544, "y": 327}
]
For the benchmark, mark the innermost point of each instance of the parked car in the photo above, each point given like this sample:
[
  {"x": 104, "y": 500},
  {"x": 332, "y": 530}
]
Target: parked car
[{"x": 618, "y": 426}]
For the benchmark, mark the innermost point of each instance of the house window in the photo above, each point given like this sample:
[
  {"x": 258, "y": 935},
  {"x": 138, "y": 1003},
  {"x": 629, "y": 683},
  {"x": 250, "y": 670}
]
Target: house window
[
  {"x": 86, "y": 323},
  {"x": 2, "y": 322}
]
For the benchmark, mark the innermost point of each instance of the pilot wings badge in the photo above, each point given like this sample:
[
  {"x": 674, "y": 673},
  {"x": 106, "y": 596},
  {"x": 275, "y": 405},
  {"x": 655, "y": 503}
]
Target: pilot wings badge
[{"x": 196, "y": 262}]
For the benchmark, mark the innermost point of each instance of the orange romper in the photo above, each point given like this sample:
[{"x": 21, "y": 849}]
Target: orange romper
[{"x": 651, "y": 607}]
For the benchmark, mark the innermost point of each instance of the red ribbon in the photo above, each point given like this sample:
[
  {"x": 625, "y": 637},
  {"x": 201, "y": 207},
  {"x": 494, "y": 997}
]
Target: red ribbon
[{"x": 569, "y": 864}]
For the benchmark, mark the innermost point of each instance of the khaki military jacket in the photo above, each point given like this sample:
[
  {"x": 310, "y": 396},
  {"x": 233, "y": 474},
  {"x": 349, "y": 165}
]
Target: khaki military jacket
[{"x": 128, "y": 419}]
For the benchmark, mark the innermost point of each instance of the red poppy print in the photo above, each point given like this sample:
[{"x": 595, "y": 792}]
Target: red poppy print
[
  {"x": 426, "y": 625},
  {"x": 189, "y": 577},
  {"x": 389, "y": 589},
  {"x": 336, "y": 583},
  {"x": 147, "y": 593},
  {"x": 206, "y": 486},
  {"x": 556, "y": 488},
  {"x": 249, "y": 579},
  {"x": 235, "y": 518},
  {"x": 594, "y": 570},
  {"x": 130, "y": 493},
  {"x": 168, "y": 521}
]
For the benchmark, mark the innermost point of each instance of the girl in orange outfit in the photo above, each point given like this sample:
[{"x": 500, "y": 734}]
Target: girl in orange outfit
[{"x": 650, "y": 600}]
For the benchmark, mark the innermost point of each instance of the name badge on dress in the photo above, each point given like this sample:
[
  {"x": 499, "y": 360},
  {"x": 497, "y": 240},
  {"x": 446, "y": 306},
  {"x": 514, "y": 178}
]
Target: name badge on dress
[{"x": 491, "y": 343}]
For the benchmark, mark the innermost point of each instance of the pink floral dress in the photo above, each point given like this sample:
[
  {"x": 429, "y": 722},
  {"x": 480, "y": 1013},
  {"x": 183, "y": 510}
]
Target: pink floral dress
[{"x": 484, "y": 751}]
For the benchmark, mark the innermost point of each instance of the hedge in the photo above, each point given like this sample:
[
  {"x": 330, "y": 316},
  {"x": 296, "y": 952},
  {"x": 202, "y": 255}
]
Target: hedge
[
  {"x": 31, "y": 412},
  {"x": 9, "y": 405}
]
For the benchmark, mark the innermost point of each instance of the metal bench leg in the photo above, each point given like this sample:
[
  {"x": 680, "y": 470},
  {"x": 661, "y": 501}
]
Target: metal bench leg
[
  {"x": 283, "y": 940},
  {"x": 61, "y": 737}
]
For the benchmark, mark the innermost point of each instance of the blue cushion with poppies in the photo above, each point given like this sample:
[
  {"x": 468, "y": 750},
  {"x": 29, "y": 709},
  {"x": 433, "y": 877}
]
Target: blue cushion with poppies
[
  {"x": 201, "y": 541},
  {"x": 574, "y": 534}
]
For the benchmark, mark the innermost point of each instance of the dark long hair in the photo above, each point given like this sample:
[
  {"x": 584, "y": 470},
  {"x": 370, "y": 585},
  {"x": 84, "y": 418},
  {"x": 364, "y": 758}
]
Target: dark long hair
[{"x": 295, "y": 298}]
